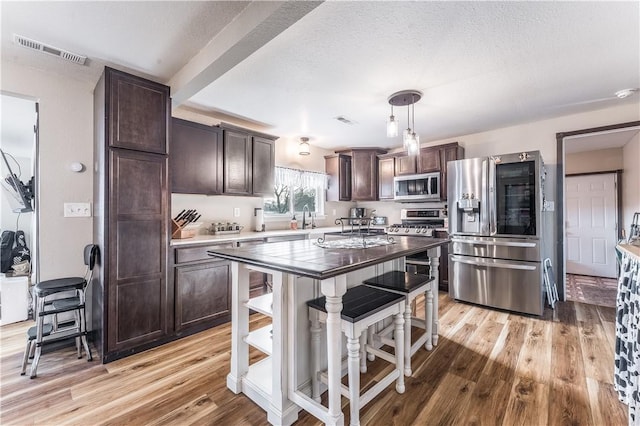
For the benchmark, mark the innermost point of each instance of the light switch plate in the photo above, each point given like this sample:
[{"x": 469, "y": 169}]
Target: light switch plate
[
  {"x": 77, "y": 209},
  {"x": 236, "y": 212}
]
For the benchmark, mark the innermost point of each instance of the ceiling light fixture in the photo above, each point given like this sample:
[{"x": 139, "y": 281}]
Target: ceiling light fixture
[
  {"x": 392, "y": 125},
  {"x": 303, "y": 148},
  {"x": 410, "y": 138},
  {"x": 621, "y": 94}
]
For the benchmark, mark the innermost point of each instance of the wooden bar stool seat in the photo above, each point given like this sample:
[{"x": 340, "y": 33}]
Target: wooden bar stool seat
[
  {"x": 410, "y": 286},
  {"x": 361, "y": 307}
]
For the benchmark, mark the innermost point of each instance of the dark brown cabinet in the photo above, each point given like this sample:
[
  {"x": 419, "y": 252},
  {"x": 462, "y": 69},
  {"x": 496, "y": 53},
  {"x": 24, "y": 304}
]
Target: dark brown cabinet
[
  {"x": 264, "y": 163},
  {"x": 443, "y": 268},
  {"x": 249, "y": 162},
  {"x": 133, "y": 106},
  {"x": 386, "y": 173},
  {"x": 448, "y": 152},
  {"x": 353, "y": 175},
  {"x": 130, "y": 292},
  {"x": 405, "y": 165},
  {"x": 237, "y": 163},
  {"x": 195, "y": 160},
  {"x": 338, "y": 167},
  {"x": 429, "y": 160},
  {"x": 364, "y": 174},
  {"x": 202, "y": 289},
  {"x": 435, "y": 159}
]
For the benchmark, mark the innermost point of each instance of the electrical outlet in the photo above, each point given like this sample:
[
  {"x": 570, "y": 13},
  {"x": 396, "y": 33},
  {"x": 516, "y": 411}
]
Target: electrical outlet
[
  {"x": 334, "y": 212},
  {"x": 236, "y": 212},
  {"x": 77, "y": 209}
]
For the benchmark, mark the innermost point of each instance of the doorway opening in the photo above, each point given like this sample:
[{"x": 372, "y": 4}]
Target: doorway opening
[
  {"x": 19, "y": 173},
  {"x": 605, "y": 147}
]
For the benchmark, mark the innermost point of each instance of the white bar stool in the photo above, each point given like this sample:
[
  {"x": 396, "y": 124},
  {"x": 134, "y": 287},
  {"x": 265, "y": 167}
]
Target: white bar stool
[
  {"x": 410, "y": 286},
  {"x": 362, "y": 307}
]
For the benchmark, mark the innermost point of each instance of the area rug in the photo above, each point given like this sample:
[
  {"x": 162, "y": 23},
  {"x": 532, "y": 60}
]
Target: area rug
[{"x": 592, "y": 290}]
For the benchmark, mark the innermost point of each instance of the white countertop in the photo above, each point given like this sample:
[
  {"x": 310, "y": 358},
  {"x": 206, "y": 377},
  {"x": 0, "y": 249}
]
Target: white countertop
[{"x": 250, "y": 235}]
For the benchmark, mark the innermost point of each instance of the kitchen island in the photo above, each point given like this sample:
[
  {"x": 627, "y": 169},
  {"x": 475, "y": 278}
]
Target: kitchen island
[{"x": 301, "y": 270}]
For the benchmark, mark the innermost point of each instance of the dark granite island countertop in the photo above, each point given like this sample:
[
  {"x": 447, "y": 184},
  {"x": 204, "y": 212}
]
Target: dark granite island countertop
[{"x": 306, "y": 259}]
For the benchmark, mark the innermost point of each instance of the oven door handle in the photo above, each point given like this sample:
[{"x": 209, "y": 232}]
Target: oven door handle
[
  {"x": 495, "y": 243},
  {"x": 493, "y": 265}
]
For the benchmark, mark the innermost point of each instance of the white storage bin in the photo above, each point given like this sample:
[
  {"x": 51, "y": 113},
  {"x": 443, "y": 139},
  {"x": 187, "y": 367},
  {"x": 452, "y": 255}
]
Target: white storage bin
[{"x": 13, "y": 299}]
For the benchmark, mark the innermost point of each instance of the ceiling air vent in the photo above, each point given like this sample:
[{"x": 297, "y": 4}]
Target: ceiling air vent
[
  {"x": 36, "y": 45},
  {"x": 345, "y": 120}
]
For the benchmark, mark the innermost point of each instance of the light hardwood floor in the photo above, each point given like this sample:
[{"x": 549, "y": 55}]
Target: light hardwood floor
[{"x": 489, "y": 368}]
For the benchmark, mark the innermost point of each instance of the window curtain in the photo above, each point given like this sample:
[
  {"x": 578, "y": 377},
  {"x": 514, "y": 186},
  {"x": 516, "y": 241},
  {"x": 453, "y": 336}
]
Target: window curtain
[
  {"x": 627, "y": 355},
  {"x": 300, "y": 178}
]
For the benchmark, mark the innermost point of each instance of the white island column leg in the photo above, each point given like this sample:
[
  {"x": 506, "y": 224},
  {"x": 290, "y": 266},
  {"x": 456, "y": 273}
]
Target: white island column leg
[
  {"x": 334, "y": 289},
  {"x": 239, "y": 326},
  {"x": 281, "y": 410},
  {"x": 435, "y": 263}
]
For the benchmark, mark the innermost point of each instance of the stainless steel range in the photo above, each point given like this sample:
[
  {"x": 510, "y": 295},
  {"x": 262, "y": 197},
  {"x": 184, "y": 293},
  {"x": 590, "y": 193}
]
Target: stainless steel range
[{"x": 419, "y": 223}]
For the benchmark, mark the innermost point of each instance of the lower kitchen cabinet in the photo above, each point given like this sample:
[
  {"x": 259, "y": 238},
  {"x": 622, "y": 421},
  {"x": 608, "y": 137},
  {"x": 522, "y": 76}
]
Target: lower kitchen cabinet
[
  {"x": 443, "y": 269},
  {"x": 202, "y": 294},
  {"x": 202, "y": 289}
]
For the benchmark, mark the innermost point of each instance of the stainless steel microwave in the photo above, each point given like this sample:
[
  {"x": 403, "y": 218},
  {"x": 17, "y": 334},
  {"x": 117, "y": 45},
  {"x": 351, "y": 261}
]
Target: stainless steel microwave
[{"x": 416, "y": 188}]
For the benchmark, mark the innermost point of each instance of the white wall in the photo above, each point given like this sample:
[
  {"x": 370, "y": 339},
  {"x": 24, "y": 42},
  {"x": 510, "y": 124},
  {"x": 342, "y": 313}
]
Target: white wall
[
  {"x": 541, "y": 136},
  {"x": 601, "y": 160},
  {"x": 630, "y": 181},
  {"x": 66, "y": 135}
]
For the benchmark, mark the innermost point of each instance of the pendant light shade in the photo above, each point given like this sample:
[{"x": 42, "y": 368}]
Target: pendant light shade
[
  {"x": 410, "y": 139},
  {"x": 392, "y": 125},
  {"x": 303, "y": 147}
]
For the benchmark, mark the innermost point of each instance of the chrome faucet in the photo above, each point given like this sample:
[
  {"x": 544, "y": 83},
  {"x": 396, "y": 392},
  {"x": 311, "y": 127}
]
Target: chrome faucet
[{"x": 304, "y": 219}]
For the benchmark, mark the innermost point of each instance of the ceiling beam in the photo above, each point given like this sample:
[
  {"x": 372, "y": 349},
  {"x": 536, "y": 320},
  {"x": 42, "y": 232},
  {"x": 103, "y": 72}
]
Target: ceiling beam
[{"x": 254, "y": 27}]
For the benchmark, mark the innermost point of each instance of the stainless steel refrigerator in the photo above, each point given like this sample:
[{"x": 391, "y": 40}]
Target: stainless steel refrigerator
[{"x": 495, "y": 206}]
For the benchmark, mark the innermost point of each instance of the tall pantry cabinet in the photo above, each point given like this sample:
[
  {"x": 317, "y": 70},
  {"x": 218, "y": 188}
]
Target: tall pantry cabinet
[{"x": 131, "y": 203}]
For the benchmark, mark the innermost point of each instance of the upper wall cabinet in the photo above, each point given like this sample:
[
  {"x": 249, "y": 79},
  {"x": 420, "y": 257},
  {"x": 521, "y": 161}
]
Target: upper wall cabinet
[
  {"x": 249, "y": 161},
  {"x": 386, "y": 173},
  {"x": 448, "y": 152},
  {"x": 195, "y": 160},
  {"x": 338, "y": 167},
  {"x": 435, "y": 159},
  {"x": 405, "y": 164},
  {"x": 429, "y": 160},
  {"x": 237, "y": 163},
  {"x": 353, "y": 175},
  {"x": 133, "y": 108},
  {"x": 264, "y": 162},
  {"x": 364, "y": 174}
]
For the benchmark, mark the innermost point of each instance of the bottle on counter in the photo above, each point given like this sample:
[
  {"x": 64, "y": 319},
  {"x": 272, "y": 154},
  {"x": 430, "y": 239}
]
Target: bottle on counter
[{"x": 294, "y": 222}]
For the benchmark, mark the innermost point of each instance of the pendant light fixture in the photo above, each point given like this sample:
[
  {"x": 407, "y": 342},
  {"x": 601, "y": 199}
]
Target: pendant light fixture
[
  {"x": 303, "y": 148},
  {"x": 410, "y": 138},
  {"x": 392, "y": 125}
]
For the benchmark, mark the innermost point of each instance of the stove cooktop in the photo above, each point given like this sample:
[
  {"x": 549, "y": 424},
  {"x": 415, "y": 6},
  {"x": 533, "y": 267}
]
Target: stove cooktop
[{"x": 413, "y": 230}]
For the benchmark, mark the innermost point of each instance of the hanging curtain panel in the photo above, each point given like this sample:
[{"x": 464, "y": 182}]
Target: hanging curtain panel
[{"x": 627, "y": 356}]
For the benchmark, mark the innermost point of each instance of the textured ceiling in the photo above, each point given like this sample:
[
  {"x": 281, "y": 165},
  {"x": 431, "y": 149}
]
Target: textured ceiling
[{"x": 292, "y": 68}]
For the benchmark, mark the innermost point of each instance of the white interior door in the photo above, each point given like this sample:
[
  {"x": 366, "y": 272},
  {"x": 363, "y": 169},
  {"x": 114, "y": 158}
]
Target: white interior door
[{"x": 591, "y": 209}]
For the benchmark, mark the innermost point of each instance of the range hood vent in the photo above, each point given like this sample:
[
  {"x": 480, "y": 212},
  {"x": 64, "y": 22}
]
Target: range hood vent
[{"x": 61, "y": 53}]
